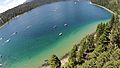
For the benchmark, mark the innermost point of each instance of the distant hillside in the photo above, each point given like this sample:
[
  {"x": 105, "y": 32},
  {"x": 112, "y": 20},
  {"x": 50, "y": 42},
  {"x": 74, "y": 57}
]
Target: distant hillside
[{"x": 12, "y": 13}]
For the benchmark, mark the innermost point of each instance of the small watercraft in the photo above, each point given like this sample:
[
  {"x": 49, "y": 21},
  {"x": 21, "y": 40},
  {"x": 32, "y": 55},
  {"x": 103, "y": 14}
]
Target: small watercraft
[
  {"x": 60, "y": 34},
  {"x": 28, "y": 27},
  {"x": 75, "y": 2},
  {"x": 1, "y": 65},
  {"x": 14, "y": 33},
  {"x": 65, "y": 24},
  {"x": 54, "y": 26},
  {"x": 1, "y": 38},
  {"x": 90, "y": 2},
  {"x": 8, "y": 40}
]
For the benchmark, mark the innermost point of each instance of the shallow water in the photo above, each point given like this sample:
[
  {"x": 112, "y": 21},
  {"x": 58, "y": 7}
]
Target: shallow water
[{"x": 27, "y": 40}]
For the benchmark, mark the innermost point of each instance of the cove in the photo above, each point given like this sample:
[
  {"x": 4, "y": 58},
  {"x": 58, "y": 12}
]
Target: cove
[{"x": 28, "y": 40}]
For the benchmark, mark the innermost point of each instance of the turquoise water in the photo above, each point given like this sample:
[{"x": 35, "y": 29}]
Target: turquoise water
[{"x": 34, "y": 35}]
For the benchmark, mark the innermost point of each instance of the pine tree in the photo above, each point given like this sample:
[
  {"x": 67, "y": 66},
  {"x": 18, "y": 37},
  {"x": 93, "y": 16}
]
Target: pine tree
[{"x": 55, "y": 62}]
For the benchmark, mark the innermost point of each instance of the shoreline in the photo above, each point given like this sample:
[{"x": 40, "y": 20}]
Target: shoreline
[
  {"x": 103, "y": 8},
  {"x": 63, "y": 60}
]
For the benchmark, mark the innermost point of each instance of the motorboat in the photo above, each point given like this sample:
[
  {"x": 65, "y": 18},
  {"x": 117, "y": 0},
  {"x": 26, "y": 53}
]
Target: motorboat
[{"x": 60, "y": 34}]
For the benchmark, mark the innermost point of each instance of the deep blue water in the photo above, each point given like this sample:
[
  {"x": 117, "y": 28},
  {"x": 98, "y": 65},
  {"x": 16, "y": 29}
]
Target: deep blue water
[{"x": 35, "y": 31}]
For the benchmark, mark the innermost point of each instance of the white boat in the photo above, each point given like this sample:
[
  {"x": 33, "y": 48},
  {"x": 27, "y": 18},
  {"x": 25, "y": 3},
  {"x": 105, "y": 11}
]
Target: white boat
[
  {"x": 60, "y": 34},
  {"x": 1, "y": 38},
  {"x": 14, "y": 33},
  {"x": 90, "y": 2},
  {"x": 65, "y": 24},
  {"x": 75, "y": 2},
  {"x": 7, "y": 40},
  {"x": 1, "y": 65},
  {"x": 28, "y": 27}
]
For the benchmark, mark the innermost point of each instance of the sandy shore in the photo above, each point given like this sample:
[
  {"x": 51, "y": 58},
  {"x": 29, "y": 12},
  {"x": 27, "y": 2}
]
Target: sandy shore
[{"x": 63, "y": 60}]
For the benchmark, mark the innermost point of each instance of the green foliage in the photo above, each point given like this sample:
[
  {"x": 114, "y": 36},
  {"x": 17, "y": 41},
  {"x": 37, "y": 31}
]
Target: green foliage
[
  {"x": 115, "y": 19},
  {"x": 98, "y": 50},
  {"x": 89, "y": 64},
  {"x": 102, "y": 59},
  {"x": 55, "y": 62},
  {"x": 112, "y": 64},
  {"x": 115, "y": 55},
  {"x": 100, "y": 30},
  {"x": 115, "y": 35}
]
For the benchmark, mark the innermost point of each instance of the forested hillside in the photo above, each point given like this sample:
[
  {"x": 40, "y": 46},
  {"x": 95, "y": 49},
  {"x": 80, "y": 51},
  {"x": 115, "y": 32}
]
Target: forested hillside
[{"x": 11, "y": 13}]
